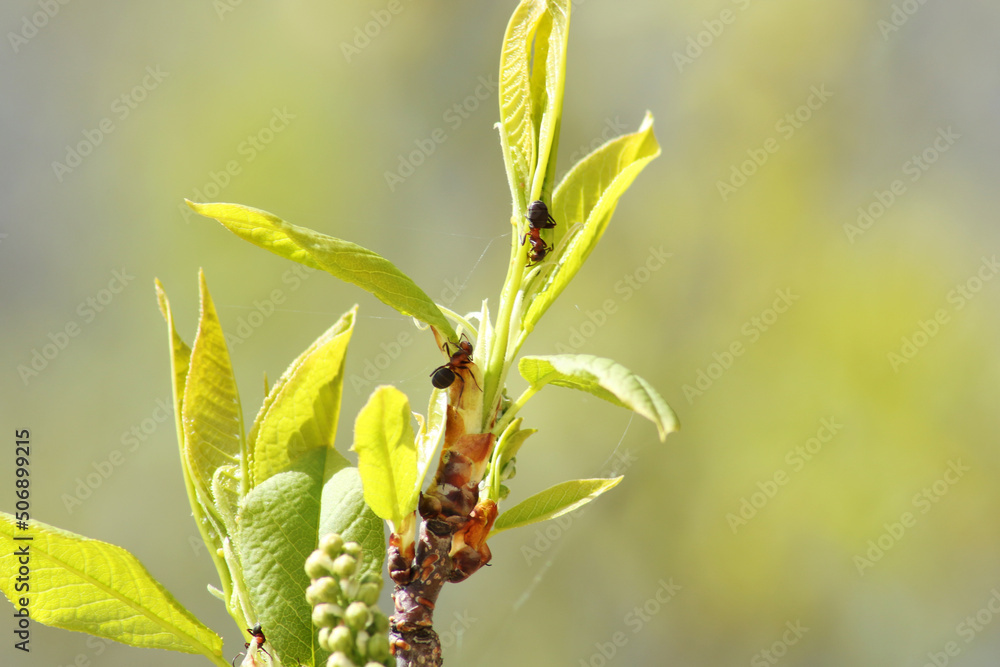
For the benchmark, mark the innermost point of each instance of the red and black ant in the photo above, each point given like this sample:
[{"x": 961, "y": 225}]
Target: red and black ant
[
  {"x": 445, "y": 375},
  {"x": 538, "y": 219},
  {"x": 258, "y": 638}
]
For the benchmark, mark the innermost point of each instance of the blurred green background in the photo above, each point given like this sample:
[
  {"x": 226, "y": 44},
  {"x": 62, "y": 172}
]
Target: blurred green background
[{"x": 808, "y": 513}]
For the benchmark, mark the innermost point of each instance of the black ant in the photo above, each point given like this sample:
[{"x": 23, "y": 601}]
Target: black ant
[
  {"x": 538, "y": 219},
  {"x": 258, "y": 638},
  {"x": 445, "y": 375},
  {"x": 538, "y": 216}
]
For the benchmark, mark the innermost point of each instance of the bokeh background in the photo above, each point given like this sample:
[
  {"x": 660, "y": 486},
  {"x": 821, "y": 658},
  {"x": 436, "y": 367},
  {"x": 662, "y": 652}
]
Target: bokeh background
[{"x": 771, "y": 528}]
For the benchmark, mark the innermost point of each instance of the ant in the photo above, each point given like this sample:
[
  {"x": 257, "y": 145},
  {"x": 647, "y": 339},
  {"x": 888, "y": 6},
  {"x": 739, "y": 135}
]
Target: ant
[
  {"x": 539, "y": 248},
  {"x": 539, "y": 218},
  {"x": 445, "y": 375},
  {"x": 258, "y": 638}
]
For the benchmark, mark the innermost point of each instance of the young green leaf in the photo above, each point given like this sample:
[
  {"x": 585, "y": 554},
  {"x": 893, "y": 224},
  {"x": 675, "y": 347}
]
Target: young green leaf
[
  {"x": 280, "y": 525},
  {"x": 302, "y": 410},
  {"x": 603, "y": 378},
  {"x": 90, "y": 586},
  {"x": 347, "y": 261},
  {"x": 518, "y": 134},
  {"x": 588, "y": 194},
  {"x": 548, "y": 83},
  {"x": 387, "y": 454},
  {"x": 180, "y": 357},
  {"x": 430, "y": 432},
  {"x": 553, "y": 502},
  {"x": 180, "y": 362},
  {"x": 343, "y": 511},
  {"x": 212, "y": 418}
]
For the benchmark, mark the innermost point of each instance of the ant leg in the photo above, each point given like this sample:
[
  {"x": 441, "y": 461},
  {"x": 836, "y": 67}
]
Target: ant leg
[
  {"x": 458, "y": 376},
  {"x": 474, "y": 380},
  {"x": 238, "y": 655}
]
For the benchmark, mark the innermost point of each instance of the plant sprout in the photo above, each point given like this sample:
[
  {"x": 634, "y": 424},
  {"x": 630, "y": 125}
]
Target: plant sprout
[{"x": 294, "y": 530}]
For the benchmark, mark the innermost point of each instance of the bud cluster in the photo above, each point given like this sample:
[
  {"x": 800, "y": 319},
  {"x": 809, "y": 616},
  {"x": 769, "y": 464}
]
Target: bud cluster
[{"x": 344, "y": 603}]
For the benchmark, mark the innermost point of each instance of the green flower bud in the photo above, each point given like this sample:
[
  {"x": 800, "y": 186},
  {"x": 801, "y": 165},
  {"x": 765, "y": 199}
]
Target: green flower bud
[
  {"x": 368, "y": 593},
  {"x": 318, "y": 564},
  {"x": 357, "y": 616},
  {"x": 324, "y": 638},
  {"x": 332, "y": 545},
  {"x": 326, "y": 589},
  {"x": 326, "y": 615},
  {"x": 378, "y": 647},
  {"x": 354, "y": 549},
  {"x": 350, "y": 588},
  {"x": 341, "y": 639},
  {"x": 372, "y": 578},
  {"x": 345, "y": 565},
  {"x": 361, "y": 643},
  {"x": 339, "y": 660},
  {"x": 380, "y": 622}
]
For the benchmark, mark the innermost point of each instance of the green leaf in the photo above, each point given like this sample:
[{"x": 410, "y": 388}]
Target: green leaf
[
  {"x": 605, "y": 379},
  {"x": 209, "y": 527},
  {"x": 343, "y": 510},
  {"x": 347, "y": 261},
  {"x": 303, "y": 407},
  {"x": 553, "y": 502},
  {"x": 518, "y": 135},
  {"x": 387, "y": 455},
  {"x": 89, "y": 586},
  {"x": 548, "y": 83},
  {"x": 588, "y": 194},
  {"x": 180, "y": 358},
  {"x": 280, "y": 525},
  {"x": 430, "y": 433},
  {"x": 532, "y": 80},
  {"x": 212, "y": 418}
]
